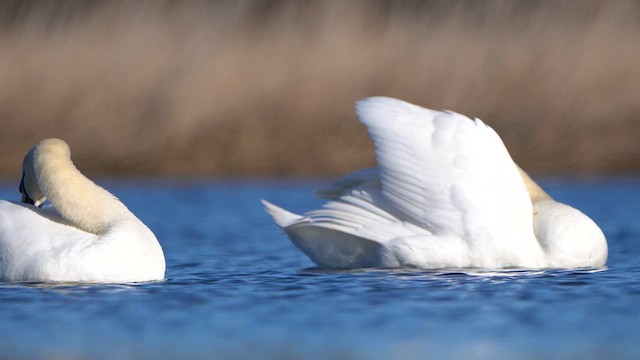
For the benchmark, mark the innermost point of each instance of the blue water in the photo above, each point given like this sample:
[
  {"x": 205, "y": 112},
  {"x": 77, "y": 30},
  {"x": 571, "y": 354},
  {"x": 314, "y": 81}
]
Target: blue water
[{"x": 237, "y": 288}]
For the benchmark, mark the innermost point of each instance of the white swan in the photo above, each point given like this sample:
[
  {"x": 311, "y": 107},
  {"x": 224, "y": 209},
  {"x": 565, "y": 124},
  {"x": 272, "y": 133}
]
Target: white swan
[
  {"x": 446, "y": 194},
  {"x": 86, "y": 235}
]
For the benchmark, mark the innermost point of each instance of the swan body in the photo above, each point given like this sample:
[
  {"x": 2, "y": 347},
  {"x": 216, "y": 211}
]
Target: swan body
[
  {"x": 445, "y": 194},
  {"x": 86, "y": 235}
]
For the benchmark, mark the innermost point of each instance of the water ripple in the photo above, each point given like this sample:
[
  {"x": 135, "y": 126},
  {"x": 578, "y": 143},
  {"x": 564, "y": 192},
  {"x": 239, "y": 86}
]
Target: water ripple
[{"x": 237, "y": 291}]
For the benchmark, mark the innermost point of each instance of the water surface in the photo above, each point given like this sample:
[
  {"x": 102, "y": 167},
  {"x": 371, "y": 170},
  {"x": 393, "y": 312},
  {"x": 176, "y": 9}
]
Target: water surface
[{"x": 237, "y": 288}]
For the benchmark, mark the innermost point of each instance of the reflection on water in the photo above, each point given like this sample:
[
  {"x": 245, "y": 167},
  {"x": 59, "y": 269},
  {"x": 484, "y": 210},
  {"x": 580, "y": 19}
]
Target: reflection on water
[{"x": 236, "y": 287}]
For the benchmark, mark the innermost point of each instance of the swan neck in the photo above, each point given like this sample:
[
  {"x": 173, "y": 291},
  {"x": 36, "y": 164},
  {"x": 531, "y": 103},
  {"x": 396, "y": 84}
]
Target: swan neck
[
  {"x": 536, "y": 193},
  {"x": 77, "y": 199}
]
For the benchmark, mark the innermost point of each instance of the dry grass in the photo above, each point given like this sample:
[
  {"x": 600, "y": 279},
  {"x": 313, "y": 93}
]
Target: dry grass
[{"x": 267, "y": 87}]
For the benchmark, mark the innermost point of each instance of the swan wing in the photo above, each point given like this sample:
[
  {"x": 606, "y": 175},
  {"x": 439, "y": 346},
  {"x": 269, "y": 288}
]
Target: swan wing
[
  {"x": 446, "y": 172},
  {"x": 355, "y": 213},
  {"x": 350, "y": 232},
  {"x": 34, "y": 242}
]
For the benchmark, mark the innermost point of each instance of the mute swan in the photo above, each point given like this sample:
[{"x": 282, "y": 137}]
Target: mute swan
[
  {"x": 86, "y": 235},
  {"x": 446, "y": 194}
]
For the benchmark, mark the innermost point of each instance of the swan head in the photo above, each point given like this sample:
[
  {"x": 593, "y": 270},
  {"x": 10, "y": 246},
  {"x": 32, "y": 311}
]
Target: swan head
[
  {"x": 45, "y": 150},
  {"x": 569, "y": 238}
]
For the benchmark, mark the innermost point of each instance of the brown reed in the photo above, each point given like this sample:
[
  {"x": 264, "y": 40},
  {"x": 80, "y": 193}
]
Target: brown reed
[{"x": 233, "y": 88}]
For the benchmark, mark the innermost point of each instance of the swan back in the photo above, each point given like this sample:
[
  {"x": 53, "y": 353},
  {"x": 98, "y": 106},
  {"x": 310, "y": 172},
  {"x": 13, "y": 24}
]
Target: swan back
[{"x": 36, "y": 244}]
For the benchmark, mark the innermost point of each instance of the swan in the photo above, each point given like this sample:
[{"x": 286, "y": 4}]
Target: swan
[
  {"x": 85, "y": 235},
  {"x": 446, "y": 194}
]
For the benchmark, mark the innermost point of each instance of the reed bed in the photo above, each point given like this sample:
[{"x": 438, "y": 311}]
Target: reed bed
[{"x": 267, "y": 88}]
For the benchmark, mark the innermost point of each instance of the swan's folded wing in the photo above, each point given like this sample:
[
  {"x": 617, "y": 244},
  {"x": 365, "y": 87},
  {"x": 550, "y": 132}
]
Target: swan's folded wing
[
  {"x": 444, "y": 171},
  {"x": 356, "y": 212},
  {"x": 346, "y": 233},
  {"x": 35, "y": 241}
]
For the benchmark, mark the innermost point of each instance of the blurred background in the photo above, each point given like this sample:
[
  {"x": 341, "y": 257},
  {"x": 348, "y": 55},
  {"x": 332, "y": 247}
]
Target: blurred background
[
  {"x": 221, "y": 93},
  {"x": 267, "y": 88}
]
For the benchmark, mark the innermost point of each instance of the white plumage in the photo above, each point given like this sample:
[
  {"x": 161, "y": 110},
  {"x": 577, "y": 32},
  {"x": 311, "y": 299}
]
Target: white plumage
[
  {"x": 86, "y": 235},
  {"x": 446, "y": 194}
]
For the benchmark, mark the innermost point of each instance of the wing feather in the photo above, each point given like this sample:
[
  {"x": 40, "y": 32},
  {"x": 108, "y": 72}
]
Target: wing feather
[
  {"x": 446, "y": 172},
  {"x": 368, "y": 177}
]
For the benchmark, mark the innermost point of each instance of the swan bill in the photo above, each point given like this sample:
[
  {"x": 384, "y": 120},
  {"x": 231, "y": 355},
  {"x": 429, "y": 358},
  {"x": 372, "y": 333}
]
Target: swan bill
[
  {"x": 25, "y": 195},
  {"x": 23, "y": 191}
]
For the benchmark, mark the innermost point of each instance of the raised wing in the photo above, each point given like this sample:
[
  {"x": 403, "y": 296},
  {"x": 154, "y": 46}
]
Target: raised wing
[{"x": 446, "y": 172}]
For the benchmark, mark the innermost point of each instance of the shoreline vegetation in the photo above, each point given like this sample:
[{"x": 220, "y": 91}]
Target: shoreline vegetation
[{"x": 267, "y": 88}]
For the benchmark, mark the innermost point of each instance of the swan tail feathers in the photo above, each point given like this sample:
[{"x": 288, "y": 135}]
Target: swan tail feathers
[{"x": 282, "y": 217}]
